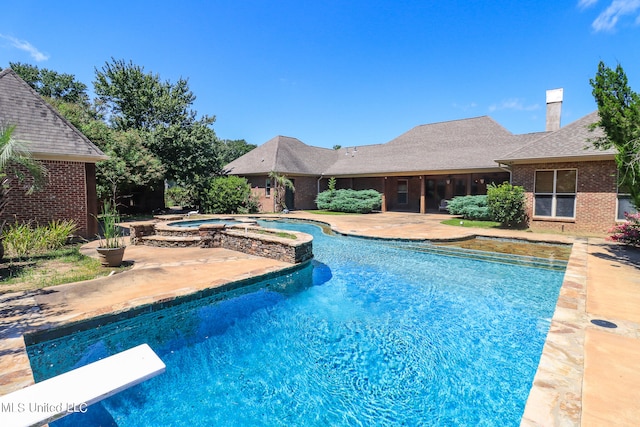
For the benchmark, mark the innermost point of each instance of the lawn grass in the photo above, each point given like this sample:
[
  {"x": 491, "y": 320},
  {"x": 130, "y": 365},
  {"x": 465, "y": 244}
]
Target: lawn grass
[
  {"x": 66, "y": 265},
  {"x": 459, "y": 222}
]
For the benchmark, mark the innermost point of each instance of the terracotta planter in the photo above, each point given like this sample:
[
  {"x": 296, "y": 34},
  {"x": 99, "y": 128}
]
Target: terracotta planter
[{"x": 110, "y": 257}]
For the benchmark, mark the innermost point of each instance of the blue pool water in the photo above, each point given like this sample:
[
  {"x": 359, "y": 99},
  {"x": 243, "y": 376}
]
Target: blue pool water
[{"x": 370, "y": 334}]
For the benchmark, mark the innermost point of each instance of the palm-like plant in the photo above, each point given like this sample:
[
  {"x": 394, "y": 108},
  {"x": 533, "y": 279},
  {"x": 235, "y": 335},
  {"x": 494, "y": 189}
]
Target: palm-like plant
[
  {"x": 280, "y": 183},
  {"x": 15, "y": 159}
]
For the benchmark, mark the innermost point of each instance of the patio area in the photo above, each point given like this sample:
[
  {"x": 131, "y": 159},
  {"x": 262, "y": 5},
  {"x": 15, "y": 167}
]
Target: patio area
[{"x": 587, "y": 375}]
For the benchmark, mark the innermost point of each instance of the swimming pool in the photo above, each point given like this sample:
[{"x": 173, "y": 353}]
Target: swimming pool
[{"x": 370, "y": 334}]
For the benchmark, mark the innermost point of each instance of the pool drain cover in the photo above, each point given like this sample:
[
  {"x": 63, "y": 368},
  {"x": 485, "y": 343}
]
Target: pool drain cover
[{"x": 604, "y": 323}]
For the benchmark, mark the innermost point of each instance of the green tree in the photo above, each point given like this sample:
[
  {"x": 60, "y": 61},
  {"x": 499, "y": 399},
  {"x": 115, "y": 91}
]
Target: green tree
[
  {"x": 51, "y": 84},
  {"x": 231, "y": 149},
  {"x": 130, "y": 165},
  {"x": 332, "y": 184},
  {"x": 619, "y": 112},
  {"x": 140, "y": 100},
  {"x": 280, "y": 185},
  {"x": 137, "y": 100},
  {"x": 187, "y": 151}
]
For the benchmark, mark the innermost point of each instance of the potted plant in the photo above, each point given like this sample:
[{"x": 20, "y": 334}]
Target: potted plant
[{"x": 111, "y": 247}]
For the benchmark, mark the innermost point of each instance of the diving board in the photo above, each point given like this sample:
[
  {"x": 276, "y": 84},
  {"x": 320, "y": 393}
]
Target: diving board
[{"x": 75, "y": 390}]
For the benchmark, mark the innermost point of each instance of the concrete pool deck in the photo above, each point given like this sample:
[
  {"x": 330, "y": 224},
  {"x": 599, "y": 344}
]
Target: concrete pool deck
[{"x": 587, "y": 376}]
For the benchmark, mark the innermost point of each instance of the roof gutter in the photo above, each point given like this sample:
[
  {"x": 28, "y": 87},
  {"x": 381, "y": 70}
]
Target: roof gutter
[
  {"x": 91, "y": 158},
  {"x": 507, "y": 168}
]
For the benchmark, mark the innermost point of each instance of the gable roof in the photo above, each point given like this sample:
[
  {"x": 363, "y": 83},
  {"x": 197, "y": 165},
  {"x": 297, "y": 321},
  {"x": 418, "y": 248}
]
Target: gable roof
[
  {"x": 284, "y": 155},
  {"x": 47, "y": 134},
  {"x": 571, "y": 142}
]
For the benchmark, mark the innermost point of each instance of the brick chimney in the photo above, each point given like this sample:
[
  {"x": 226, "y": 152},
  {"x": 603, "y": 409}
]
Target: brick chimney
[{"x": 554, "y": 108}]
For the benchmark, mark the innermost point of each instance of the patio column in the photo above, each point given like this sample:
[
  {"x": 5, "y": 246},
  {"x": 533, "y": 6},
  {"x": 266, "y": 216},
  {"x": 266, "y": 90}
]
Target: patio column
[
  {"x": 383, "y": 208},
  {"x": 423, "y": 204}
]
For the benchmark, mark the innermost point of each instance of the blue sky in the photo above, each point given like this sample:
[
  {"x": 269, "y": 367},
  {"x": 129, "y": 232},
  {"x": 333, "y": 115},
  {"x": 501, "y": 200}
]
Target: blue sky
[{"x": 341, "y": 72}]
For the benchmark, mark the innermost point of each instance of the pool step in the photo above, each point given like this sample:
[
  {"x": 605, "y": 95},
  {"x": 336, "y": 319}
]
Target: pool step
[{"x": 529, "y": 261}]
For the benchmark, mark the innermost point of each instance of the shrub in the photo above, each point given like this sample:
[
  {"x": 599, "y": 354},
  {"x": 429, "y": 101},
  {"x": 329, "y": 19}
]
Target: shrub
[
  {"x": 228, "y": 195},
  {"x": 324, "y": 200},
  {"x": 252, "y": 205},
  {"x": 470, "y": 207},
  {"x": 351, "y": 201},
  {"x": 627, "y": 232},
  {"x": 506, "y": 204},
  {"x": 58, "y": 233},
  {"x": 23, "y": 240}
]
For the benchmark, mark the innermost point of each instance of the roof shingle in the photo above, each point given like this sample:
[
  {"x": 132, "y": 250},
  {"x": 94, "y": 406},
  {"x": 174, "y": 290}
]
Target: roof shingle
[
  {"x": 570, "y": 142},
  {"x": 284, "y": 155},
  {"x": 46, "y": 133},
  {"x": 459, "y": 145}
]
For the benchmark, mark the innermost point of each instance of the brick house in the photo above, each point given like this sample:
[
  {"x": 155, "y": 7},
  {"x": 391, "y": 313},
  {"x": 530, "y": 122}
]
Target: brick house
[
  {"x": 569, "y": 185},
  {"x": 301, "y": 163},
  {"x": 70, "y": 158}
]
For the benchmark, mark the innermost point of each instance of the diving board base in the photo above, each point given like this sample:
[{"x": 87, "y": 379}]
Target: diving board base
[{"x": 75, "y": 390}]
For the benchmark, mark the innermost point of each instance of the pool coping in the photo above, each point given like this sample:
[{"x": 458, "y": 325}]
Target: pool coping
[{"x": 555, "y": 397}]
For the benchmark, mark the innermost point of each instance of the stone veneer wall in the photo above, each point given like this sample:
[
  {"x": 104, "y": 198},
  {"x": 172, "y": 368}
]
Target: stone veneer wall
[
  {"x": 246, "y": 239},
  {"x": 596, "y": 198},
  {"x": 138, "y": 230},
  {"x": 282, "y": 249}
]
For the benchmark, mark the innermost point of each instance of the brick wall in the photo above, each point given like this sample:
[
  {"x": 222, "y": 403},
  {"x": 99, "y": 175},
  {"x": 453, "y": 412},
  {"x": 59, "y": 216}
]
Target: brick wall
[
  {"x": 64, "y": 197},
  {"x": 596, "y": 197},
  {"x": 258, "y": 190},
  {"x": 304, "y": 196},
  {"x": 372, "y": 183},
  {"x": 306, "y": 192}
]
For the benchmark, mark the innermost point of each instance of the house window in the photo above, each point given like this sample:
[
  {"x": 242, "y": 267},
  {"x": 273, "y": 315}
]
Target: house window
[
  {"x": 267, "y": 188},
  {"x": 624, "y": 204},
  {"x": 403, "y": 191},
  {"x": 555, "y": 193}
]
